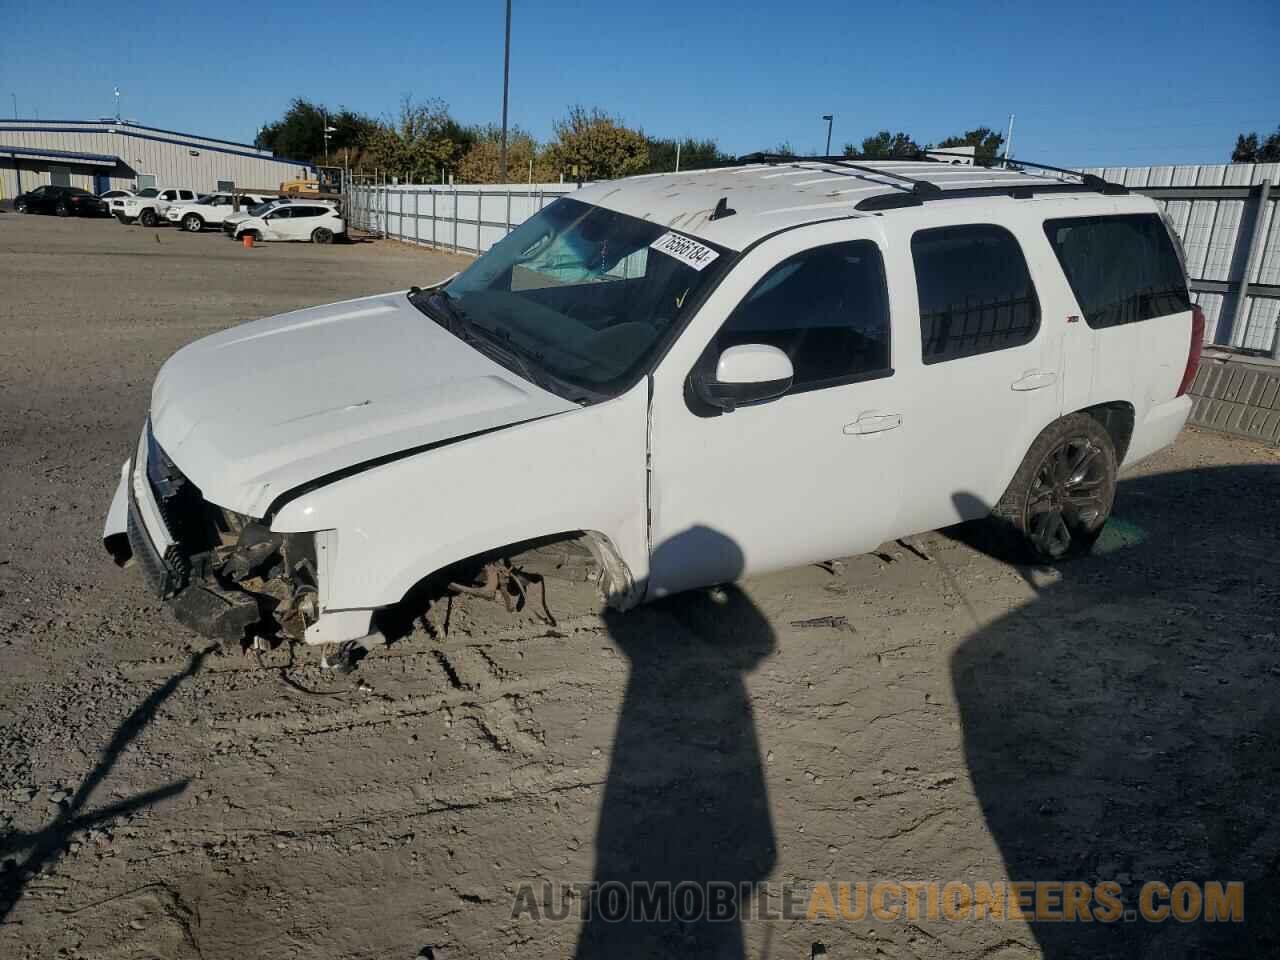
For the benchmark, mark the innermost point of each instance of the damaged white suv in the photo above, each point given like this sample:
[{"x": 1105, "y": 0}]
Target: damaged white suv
[{"x": 699, "y": 376}]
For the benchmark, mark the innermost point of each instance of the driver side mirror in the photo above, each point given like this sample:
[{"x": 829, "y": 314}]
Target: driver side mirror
[{"x": 747, "y": 373}]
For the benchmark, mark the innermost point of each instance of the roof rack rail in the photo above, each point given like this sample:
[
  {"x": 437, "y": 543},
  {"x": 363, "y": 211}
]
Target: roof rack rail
[
  {"x": 1089, "y": 179},
  {"x": 922, "y": 190},
  {"x": 919, "y": 187}
]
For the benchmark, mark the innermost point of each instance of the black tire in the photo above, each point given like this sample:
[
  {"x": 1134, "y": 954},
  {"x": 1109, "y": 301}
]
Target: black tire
[
  {"x": 193, "y": 223},
  {"x": 21, "y": 207},
  {"x": 322, "y": 235},
  {"x": 1061, "y": 496},
  {"x": 148, "y": 218},
  {"x": 63, "y": 209}
]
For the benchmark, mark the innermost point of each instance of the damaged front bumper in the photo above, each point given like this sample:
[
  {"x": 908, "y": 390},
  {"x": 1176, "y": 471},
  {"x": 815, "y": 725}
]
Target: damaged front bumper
[{"x": 225, "y": 576}]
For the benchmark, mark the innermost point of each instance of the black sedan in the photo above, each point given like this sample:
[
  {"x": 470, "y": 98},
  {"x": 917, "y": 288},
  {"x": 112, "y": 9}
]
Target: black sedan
[{"x": 64, "y": 201}]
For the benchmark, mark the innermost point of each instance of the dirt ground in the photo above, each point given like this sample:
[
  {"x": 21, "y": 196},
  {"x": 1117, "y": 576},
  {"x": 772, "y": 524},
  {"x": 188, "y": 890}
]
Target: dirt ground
[{"x": 974, "y": 721}]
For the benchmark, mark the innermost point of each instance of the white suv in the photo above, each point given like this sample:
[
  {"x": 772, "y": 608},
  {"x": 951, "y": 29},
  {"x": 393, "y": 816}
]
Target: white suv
[
  {"x": 696, "y": 375},
  {"x": 209, "y": 210},
  {"x": 316, "y": 221},
  {"x": 148, "y": 206}
]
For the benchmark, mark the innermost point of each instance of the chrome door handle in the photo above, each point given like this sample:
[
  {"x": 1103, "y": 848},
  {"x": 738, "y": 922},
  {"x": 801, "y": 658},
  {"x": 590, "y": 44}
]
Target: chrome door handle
[
  {"x": 874, "y": 423},
  {"x": 1035, "y": 380}
]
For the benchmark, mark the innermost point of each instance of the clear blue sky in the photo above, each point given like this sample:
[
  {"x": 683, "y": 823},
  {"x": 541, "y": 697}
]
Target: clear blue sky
[{"x": 1091, "y": 83}]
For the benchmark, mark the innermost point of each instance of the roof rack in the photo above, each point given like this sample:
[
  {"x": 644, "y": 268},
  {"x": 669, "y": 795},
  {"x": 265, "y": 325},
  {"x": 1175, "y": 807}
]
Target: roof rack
[
  {"x": 917, "y": 190},
  {"x": 1088, "y": 179}
]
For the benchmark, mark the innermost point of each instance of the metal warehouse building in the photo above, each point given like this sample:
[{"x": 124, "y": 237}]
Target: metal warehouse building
[{"x": 99, "y": 155}]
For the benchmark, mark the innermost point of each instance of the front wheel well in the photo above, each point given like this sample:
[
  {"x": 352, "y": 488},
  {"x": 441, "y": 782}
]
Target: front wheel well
[
  {"x": 1117, "y": 418},
  {"x": 579, "y": 555}
]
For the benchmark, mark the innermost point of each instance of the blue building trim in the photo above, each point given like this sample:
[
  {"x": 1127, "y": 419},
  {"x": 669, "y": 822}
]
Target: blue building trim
[
  {"x": 139, "y": 126},
  {"x": 59, "y": 155},
  {"x": 125, "y": 131}
]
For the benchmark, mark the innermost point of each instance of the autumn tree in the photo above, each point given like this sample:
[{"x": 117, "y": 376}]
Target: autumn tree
[
  {"x": 483, "y": 161},
  {"x": 599, "y": 145}
]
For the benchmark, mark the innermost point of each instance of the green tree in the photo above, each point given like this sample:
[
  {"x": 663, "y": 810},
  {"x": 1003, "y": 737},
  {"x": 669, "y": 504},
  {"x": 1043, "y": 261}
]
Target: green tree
[
  {"x": 986, "y": 140},
  {"x": 1250, "y": 149},
  {"x": 600, "y": 146},
  {"x": 884, "y": 146},
  {"x": 422, "y": 145},
  {"x": 483, "y": 160},
  {"x": 694, "y": 154},
  {"x": 299, "y": 134}
]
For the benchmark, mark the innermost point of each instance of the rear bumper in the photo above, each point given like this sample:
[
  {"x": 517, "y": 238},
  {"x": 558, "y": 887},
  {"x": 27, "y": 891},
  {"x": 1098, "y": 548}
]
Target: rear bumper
[{"x": 1158, "y": 429}]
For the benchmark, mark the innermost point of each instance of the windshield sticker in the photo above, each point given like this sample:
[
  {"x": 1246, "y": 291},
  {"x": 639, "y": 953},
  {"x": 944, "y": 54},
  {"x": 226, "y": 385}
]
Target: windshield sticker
[{"x": 685, "y": 250}]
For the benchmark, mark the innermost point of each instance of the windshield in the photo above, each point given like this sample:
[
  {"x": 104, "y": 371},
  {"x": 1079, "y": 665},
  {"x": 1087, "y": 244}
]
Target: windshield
[
  {"x": 584, "y": 293},
  {"x": 262, "y": 208},
  {"x": 149, "y": 192}
]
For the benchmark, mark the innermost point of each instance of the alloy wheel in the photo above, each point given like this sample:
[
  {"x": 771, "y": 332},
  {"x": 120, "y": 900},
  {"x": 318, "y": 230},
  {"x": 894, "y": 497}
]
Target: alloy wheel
[{"x": 1067, "y": 496}]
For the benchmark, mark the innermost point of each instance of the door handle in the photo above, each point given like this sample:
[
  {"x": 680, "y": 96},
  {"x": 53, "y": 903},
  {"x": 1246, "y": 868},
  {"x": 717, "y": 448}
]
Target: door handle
[
  {"x": 874, "y": 423},
  {"x": 1035, "y": 380}
]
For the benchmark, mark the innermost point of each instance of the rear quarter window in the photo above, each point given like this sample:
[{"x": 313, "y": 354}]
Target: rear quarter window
[
  {"x": 975, "y": 292},
  {"x": 1122, "y": 269}
]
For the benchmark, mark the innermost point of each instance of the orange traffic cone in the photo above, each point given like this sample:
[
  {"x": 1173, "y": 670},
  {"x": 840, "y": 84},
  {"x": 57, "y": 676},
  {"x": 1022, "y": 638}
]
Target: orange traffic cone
[{"x": 248, "y": 241}]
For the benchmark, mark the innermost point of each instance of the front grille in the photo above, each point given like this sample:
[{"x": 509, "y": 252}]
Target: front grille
[{"x": 183, "y": 509}]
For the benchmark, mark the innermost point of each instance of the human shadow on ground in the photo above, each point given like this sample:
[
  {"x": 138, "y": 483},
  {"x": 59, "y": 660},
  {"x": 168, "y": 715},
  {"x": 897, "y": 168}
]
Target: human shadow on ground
[
  {"x": 45, "y": 847},
  {"x": 1125, "y": 724},
  {"x": 685, "y": 806}
]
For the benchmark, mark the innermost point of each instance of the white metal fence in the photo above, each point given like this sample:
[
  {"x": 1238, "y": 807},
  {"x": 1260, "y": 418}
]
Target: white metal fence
[
  {"x": 1224, "y": 213},
  {"x": 463, "y": 219}
]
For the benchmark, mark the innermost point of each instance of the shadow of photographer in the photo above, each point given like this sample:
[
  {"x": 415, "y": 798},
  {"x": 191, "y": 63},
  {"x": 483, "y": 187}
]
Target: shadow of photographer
[{"x": 684, "y": 825}]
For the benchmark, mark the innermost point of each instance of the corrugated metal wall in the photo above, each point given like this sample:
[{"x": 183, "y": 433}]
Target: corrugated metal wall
[
  {"x": 175, "y": 159},
  {"x": 1210, "y": 231}
]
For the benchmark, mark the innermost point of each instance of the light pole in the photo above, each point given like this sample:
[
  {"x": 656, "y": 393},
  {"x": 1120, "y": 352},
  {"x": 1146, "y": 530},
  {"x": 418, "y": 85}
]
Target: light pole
[
  {"x": 15, "y": 105},
  {"x": 327, "y": 130},
  {"x": 828, "y": 117},
  {"x": 506, "y": 80}
]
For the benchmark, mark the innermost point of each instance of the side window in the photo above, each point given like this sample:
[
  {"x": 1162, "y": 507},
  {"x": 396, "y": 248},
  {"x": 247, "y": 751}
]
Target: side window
[
  {"x": 976, "y": 294},
  {"x": 169, "y": 195},
  {"x": 186, "y": 195},
  {"x": 280, "y": 213},
  {"x": 826, "y": 308},
  {"x": 1122, "y": 269}
]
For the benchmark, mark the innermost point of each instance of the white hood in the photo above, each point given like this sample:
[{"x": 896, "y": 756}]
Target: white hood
[{"x": 255, "y": 411}]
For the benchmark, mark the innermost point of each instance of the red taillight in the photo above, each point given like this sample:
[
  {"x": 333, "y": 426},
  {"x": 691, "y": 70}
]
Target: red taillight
[{"x": 1193, "y": 354}]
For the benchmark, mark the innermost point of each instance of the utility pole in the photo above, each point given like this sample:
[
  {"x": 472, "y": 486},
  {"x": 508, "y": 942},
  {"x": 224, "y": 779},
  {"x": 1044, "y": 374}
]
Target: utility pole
[
  {"x": 15, "y": 105},
  {"x": 506, "y": 80},
  {"x": 829, "y": 117},
  {"x": 324, "y": 117},
  {"x": 1008, "y": 143},
  {"x": 117, "y": 103},
  {"x": 677, "y": 156}
]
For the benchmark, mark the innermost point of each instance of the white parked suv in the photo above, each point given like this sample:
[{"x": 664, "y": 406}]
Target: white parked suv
[
  {"x": 209, "y": 210},
  {"x": 697, "y": 376},
  {"x": 315, "y": 221},
  {"x": 148, "y": 206}
]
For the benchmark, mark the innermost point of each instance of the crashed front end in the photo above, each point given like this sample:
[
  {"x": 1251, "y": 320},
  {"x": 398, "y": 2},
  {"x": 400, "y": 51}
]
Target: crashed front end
[{"x": 223, "y": 574}]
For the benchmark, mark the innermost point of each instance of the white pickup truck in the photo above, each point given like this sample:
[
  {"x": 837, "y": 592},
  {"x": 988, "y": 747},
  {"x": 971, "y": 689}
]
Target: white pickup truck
[
  {"x": 148, "y": 206},
  {"x": 209, "y": 210}
]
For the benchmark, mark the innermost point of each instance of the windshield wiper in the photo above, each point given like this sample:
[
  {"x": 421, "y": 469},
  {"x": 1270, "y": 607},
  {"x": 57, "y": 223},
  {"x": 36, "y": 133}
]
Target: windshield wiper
[{"x": 454, "y": 319}]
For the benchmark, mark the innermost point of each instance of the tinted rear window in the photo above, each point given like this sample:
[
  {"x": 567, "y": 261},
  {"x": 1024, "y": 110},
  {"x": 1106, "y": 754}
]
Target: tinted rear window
[
  {"x": 975, "y": 292},
  {"x": 1122, "y": 269}
]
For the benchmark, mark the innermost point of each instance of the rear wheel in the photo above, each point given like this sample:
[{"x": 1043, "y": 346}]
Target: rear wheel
[
  {"x": 322, "y": 235},
  {"x": 193, "y": 223},
  {"x": 148, "y": 218},
  {"x": 1062, "y": 494}
]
